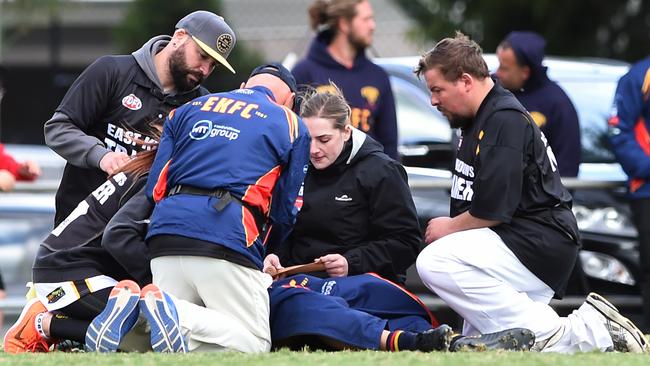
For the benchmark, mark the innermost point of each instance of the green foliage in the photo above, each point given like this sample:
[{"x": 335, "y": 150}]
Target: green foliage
[
  {"x": 148, "y": 18},
  {"x": 588, "y": 28}
]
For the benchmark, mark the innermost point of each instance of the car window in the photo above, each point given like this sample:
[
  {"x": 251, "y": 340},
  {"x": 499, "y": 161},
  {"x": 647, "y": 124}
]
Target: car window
[
  {"x": 593, "y": 100},
  {"x": 16, "y": 227},
  {"x": 419, "y": 122},
  {"x": 20, "y": 235}
]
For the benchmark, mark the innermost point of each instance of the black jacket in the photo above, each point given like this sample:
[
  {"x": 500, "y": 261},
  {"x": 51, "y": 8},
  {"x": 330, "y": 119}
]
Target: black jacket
[
  {"x": 108, "y": 108},
  {"x": 360, "y": 207}
]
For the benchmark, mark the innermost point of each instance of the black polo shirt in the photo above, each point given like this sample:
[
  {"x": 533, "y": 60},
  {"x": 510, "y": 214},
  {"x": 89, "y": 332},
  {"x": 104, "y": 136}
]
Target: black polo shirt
[{"x": 505, "y": 171}]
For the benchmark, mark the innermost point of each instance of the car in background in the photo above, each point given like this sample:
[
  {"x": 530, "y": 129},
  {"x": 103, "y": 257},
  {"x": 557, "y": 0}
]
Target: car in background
[
  {"x": 25, "y": 220},
  {"x": 609, "y": 259}
]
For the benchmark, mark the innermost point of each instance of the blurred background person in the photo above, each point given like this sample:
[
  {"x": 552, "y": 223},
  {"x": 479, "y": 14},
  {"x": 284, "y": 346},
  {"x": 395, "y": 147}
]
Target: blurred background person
[
  {"x": 521, "y": 71},
  {"x": 338, "y": 53},
  {"x": 12, "y": 171},
  {"x": 630, "y": 141}
]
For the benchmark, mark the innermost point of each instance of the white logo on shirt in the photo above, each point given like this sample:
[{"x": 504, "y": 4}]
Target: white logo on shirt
[
  {"x": 132, "y": 102},
  {"x": 327, "y": 287},
  {"x": 204, "y": 128},
  {"x": 343, "y": 198},
  {"x": 461, "y": 188}
]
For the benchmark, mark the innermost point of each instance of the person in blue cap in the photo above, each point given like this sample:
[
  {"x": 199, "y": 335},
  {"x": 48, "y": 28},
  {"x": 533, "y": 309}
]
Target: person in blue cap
[{"x": 521, "y": 71}]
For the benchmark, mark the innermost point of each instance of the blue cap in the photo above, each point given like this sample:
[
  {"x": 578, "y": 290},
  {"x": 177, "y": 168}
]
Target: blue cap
[
  {"x": 276, "y": 69},
  {"x": 528, "y": 47}
]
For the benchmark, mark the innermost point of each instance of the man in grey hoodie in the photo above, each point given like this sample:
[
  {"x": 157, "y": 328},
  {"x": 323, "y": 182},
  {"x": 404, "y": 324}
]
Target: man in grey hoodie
[{"x": 107, "y": 110}]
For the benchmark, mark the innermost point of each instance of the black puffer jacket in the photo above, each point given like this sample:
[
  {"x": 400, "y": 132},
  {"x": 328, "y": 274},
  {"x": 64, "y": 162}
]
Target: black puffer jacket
[{"x": 360, "y": 207}]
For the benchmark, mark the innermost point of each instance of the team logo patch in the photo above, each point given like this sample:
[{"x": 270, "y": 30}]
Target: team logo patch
[
  {"x": 132, "y": 102},
  {"x": 343, "y": 198},
  {"x": 539, "y": 118},
  {"x": 370, "y": 93},
  {"x": 224, "y": 43},
  {"x": 201, "y": 129},
  {"x": 55, "y": 295}
]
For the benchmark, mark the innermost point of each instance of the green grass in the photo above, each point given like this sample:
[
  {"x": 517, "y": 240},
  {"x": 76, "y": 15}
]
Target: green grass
[{"x": 335, "y": 359}]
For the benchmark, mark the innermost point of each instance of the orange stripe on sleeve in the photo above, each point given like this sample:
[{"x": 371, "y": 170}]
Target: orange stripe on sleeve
[
  {"x": 250, "y": 228},
  {"x": 160, "y": 189}
]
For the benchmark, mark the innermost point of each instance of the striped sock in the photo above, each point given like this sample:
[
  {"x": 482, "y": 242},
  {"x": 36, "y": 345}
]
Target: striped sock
[{"x": 401, "y": 341}]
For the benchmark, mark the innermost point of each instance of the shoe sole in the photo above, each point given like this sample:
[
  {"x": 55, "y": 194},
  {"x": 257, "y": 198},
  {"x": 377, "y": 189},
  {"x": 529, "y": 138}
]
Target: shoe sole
[
  {"x": 166, "y": 336},
  {"x": 447, "y": 337},
  {"x": 8, "y": 348},
  {"x": 609, "y": 311},
  {"x": 118, "y": 317},
  {"x": 517, "y": 339}
]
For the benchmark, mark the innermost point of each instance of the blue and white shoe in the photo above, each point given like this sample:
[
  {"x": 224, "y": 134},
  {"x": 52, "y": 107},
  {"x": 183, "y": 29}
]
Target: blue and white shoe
[
  {"x": 160, "y": 311},
  {"x": 118, "y": 317}
]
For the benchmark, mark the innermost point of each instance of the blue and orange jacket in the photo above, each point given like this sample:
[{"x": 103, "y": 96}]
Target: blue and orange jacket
[
  {"x": 629, "y": 126},
  {"x": 240, "y": 141}
]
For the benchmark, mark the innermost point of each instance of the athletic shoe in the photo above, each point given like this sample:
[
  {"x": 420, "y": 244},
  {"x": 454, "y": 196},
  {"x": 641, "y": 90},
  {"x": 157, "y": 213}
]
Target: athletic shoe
[
  {"x": 625, "y": 335},
  {"x": 118, "y": 317},
  {"x": 23, "y": 336},
  {"x": 516, "y": 339},
  {"x": 437, "y": 339},
  {"x": 160, "y": 311}
]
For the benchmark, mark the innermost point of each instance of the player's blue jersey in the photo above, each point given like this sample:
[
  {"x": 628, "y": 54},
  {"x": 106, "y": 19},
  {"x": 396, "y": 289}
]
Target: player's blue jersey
[
  {"x": 629, "y": 126},
  {"x": 240, "y": 141}
]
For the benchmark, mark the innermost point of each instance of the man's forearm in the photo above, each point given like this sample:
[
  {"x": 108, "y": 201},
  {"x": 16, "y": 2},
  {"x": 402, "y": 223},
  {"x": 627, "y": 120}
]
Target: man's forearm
[
  {"x": 74, "y": 145},
  {"x": 466, "y": 221}
]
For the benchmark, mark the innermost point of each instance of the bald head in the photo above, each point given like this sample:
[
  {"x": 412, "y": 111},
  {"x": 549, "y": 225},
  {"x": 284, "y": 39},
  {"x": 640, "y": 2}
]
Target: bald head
[{"x": 281, "y": 91}]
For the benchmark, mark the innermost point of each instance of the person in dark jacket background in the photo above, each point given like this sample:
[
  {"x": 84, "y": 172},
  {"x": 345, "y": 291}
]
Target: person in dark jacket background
[
  {"x": 337, "y": 54},
  {"x": 520, "y": 70}
]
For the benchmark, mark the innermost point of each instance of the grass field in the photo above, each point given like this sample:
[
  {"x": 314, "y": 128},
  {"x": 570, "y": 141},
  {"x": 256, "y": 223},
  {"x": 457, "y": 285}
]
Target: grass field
[{"x": 335, "y": 359}]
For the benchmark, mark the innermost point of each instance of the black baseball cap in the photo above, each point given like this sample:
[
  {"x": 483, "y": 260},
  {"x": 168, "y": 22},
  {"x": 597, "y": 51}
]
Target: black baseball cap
[
  {"x": 276, "y": 69},
  {"x": 211, "y": 33}
]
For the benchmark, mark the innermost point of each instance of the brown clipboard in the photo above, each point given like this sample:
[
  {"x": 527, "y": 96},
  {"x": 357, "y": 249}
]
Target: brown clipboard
[{"x": 300, "y": 268}]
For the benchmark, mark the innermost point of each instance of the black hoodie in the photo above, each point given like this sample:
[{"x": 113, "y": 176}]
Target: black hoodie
[
  {"x": 360, "y": 207},
  {"x": 547, "y": 103}
]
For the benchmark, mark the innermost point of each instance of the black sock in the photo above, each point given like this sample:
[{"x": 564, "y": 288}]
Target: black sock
[
  {"x": 401, "y": 341},
  {"x": 63, "y": 327}
]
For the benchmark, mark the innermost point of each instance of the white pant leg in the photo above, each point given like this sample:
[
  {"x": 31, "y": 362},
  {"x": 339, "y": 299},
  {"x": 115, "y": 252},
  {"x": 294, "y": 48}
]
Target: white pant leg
[
  {"x": 484, "y": 282},
  {"x": 221, "y": 305}
]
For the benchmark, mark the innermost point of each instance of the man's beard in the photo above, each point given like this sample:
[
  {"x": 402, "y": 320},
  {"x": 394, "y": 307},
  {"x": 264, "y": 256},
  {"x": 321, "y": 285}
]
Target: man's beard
[
  {"x": 358, "y": 43},
  {"x": 457, "y": 121},
  {"x": 179, "y": 72}
]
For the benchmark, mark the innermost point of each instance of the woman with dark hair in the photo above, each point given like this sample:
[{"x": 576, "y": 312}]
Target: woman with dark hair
[
  {"x": 77, "y": 266},
  {"x": 358, "y": 220}
]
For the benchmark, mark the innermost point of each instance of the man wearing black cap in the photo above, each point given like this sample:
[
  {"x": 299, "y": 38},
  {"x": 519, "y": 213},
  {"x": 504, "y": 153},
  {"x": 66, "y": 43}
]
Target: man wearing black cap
[
  {"x": 520, "y": 70},
  {"x": 225, "y": 181},
  {"x": 107, "y": 109}
]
